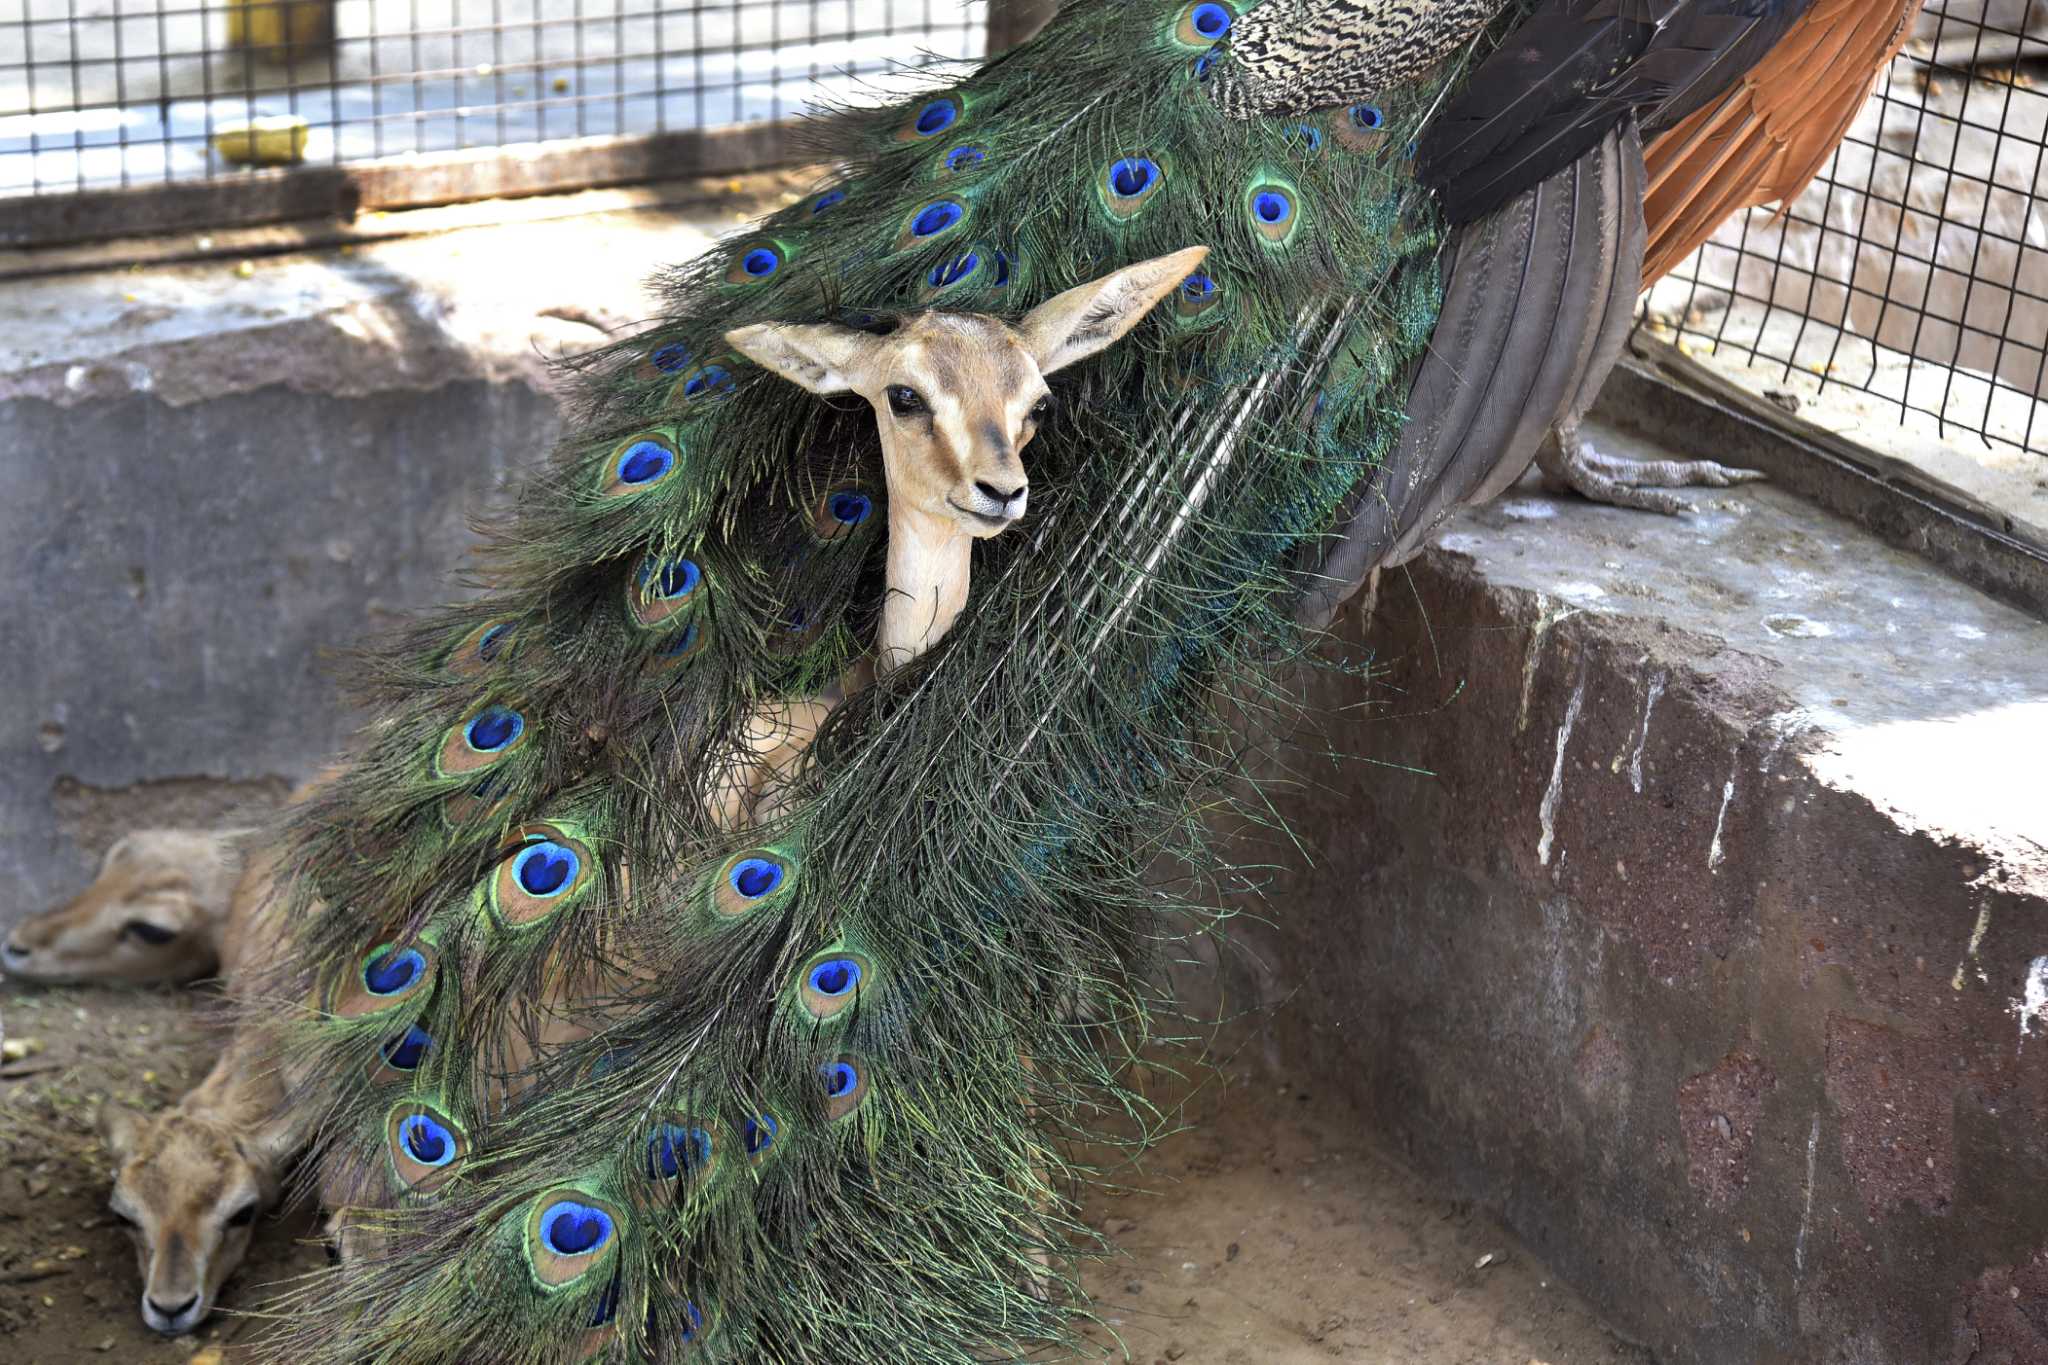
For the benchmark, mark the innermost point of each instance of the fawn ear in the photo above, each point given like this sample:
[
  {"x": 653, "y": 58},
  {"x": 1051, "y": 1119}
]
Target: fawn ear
[
  {"x": 120, "y": 1128},
  {"x": 822, "y": 356},
  {"x": 1075, "y": 325}
]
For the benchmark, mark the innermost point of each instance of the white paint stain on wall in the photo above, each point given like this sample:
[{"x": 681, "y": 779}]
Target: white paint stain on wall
[
  {"x": 1970, "y": 953},
  {"x": 1547, "y": 814},
  {"x": 2034, "y": 1005},
  {"x": 1635, "y": 763},
  {"x": 1806, "y": 1218},
  {"x": 1714, "y": 850}
]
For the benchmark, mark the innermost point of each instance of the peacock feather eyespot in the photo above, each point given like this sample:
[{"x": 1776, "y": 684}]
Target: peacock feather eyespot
[
  {"x": 1274, "y": 212},
  {"x": 845, "y": 1084},
  {"x": 759, "y": 1134},
  {"x": 830, "y": 199},
  {"x": 480, "y": 741},
  {"x": 551, "y": 867},
  {"x": 841, "y": 512},
  {"x": 1198, "y": 295},
  {"x": 387, "y": 977},
  {"x": 953, "y": 271},
  {"x": 569, "y": 1233},
  {"x": 666, "y": 360},
  {"x": 1206, "y": 63},
  {"x": 479, "y": 647},
  {"x": 681, "y": 646},
  {"x": 965, "y": 157},
  {"x": 931, "y": 118},
  {"x": 1203, "y": 23},
  {"x": 680, "y": 1152},
  {"x": 932, "y": 221},
  {"x": 641, "y": 462},
  {"x": 663, "y": 589},
  {"x": 425, "y": 1146},
  {"x": 831, "y": 983},
  {"x": 408, "y": 1049},
  {"x": 1128, "y": 183},
  {"x": 468, "y": 807},
  {"x": 704, "y": 384},
  {"x": 1360, "y": 128},
  {"x": 758, "y": 260},
  {"x": 750, "y": 880},
  {"x": 389, "y": 973},
  {"x": 1307, "y": 136}
]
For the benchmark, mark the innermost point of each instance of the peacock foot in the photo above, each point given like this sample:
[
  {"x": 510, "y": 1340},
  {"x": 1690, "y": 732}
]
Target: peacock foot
[{"x": 1568, "y": 460}]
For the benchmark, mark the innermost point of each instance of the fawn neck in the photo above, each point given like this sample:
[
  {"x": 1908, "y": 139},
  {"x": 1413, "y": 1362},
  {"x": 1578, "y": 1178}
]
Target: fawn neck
[{"x": 927, "y": 588}]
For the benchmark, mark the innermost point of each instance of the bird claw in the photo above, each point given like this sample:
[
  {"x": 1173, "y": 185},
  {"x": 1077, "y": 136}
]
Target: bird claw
[{"x": 1569, "y": 461}]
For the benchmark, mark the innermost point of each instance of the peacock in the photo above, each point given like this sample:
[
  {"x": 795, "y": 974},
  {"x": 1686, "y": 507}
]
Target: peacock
[{"x": 683, "y": 969}]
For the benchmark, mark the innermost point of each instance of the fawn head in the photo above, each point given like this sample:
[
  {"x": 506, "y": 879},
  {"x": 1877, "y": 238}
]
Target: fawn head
[
  {"x": 189, "y": 1188},
  {"x": 152, "y": 914},
  {"x": 959, "y": 395}
]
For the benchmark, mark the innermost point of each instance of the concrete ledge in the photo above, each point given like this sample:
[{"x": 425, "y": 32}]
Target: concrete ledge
[{"x": 1691, "y": 907}]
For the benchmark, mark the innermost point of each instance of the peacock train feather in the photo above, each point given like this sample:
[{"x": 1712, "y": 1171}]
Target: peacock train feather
[{"x": 604, "y": 1078}]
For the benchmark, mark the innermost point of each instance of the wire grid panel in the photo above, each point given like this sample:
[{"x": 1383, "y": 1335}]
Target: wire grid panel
[
  {"x": 1915, "y": 267},
  {"x": 107, "y": 93}
]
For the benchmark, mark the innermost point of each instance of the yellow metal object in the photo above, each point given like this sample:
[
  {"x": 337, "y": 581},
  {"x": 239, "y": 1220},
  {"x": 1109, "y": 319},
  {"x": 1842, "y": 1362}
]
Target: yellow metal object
[
  {"x": 279, "y": 140},
  {"x": 281, "y": 29}
]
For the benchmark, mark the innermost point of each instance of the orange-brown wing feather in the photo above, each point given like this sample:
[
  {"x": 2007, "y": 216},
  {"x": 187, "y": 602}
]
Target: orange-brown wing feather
[{"x": 1766, "y": 138}]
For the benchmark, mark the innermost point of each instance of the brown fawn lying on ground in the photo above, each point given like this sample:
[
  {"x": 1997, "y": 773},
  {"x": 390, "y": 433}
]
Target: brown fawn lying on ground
[{"x": 153, "y": 914}]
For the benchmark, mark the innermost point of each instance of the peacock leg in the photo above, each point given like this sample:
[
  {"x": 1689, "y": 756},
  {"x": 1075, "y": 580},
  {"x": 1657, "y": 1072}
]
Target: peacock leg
[{"x": 1568, "y": 460}]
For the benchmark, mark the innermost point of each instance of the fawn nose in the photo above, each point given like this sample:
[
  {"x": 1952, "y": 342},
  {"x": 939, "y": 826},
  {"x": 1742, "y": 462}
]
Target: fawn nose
[
  {"x": 999, "y": 497},
  {"x": 171, "y": 1312}
]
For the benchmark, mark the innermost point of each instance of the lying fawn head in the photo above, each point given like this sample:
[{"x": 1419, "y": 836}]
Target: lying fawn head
[
  {"x": 959, "y": 395},
  {"x": 152, "y": 914},
  {"x": 189, "y": 1188}
]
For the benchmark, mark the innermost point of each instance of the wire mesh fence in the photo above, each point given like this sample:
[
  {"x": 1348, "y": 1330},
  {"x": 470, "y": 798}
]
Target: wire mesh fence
[
  {"x": 1915, "y": 268},
  {"x": 117, "y": 93}
]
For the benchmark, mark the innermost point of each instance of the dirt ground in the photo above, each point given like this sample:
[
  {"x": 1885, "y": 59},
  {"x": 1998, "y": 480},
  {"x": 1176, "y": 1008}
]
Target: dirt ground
[{"x": 1270, "y": 1234}]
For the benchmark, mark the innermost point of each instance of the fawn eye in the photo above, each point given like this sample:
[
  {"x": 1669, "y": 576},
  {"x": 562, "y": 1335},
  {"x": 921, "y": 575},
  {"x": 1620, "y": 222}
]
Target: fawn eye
[
  {"x": 243, "y": 1216},
  {"x": 125, "y": 1220},
  {"x": 1042, "y": 409},
  {"x": 148, "y": 933},
  {"x": 904, "y": 400}
]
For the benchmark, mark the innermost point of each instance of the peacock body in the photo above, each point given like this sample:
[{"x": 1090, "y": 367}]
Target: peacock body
[{"x": 602, "y": 1076}]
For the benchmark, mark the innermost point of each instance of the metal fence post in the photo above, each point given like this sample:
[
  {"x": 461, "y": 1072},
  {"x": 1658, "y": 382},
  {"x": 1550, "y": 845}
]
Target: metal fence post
[{"x": 1010, "y": 22}]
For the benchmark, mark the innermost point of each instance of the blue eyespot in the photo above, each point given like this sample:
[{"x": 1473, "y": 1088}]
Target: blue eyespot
[
  {"x": 835, "y": 976},
  {"x": 1132, "y": 176},
  {"x": 965, "y": 155},
  {"x": 1206, "y": 63},
  {"x": 851, "y": 509},
  {"x": 710, "y": 379},
  {"x": 676, "y": 1152},
  {"x": 571, "y": 1229},
  {"x": 1307, "y": 134},
  {"x": 1002, "y": 276},
  {"x": 678, "y": 578},
  {"x": 426, "y": 1141},
  {"x": 840, "y": 1079},
  {"x": 754, "y": 878},
  {"x": 607, "y": 1304},
  {"x": 1211, "y": 21},
  {"x": 390, "y": 973},
  {"x": 680, "y": 644},
  {"x": 673, "y": 358},
  {"x": 1367, "y": 117},
  {"x": 645, "y": 461},
  {"x": 405, "y": 1053},
  {"x": 828, "y": 199},
  {"x": 1198, "y": 286},
  {"x": 492, "y": 641},
  {"x": 760, "y": 263},
  {"x": 936, "y": 218},
  {"x": 543, "y": 869},
  {"x": 760, "y": 1133},
  {"x": 953, "y": 271},
  {"x": 494, "y": 728},
  {"x": 1272, "y": 207},
  {"x": 936, "y": 117}
]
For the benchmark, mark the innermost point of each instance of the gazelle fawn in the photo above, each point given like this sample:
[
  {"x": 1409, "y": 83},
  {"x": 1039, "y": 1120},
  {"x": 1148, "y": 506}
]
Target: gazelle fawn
[
  {"x": 154, "y": 913},
  {"x": 957, "y": 397}
]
